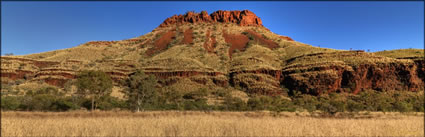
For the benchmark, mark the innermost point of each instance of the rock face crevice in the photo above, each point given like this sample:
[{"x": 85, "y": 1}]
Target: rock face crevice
[{"x": 242, "y": 18}]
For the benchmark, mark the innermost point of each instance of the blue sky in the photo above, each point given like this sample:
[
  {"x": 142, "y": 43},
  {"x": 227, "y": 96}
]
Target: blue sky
[{"x": 33, "y": 27}]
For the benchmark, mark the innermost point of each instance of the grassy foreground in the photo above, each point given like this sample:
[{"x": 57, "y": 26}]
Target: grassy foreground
[{"x": 190, "y": 123}]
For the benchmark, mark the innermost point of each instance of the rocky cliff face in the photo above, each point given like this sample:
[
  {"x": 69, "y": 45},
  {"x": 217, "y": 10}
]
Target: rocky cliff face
[{"x": 243, "y": 18}]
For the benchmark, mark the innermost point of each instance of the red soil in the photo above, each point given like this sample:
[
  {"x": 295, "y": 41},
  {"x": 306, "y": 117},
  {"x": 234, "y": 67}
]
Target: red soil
[
  {"x": 161, "y": 43},
  {"x": 237, "y": 41},
  {"x": 257, "y": 37},
  {"x": 188, "y": 37}
]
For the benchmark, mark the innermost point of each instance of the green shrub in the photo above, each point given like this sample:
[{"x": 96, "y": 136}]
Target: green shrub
[
  {"x": 418, "y": 104},
  {"x": 354, "y": 106},
  {"x": 286, "y": 105},
  {"x": 327, "y": 108},
  {"x": 197, "y": 94},
  {"x": 200, "y": 104},
  {"x": 403, "y": 106},
  {"x": 233, "y": 104},
  {"x": 10, "y": 102},
  {"x": 64, "y": 104},
  {"x": 40, "y": 102},
  {"x": 307, "y": 102},
  {"x": 109, "y": 103},
  {"x": 48, "y": 90},
  {"x": 259, "y": 102},
  {"x": 331, "y": 106},
  {"x": 221, "y": 92},
  {"x": 338, "y": 101},
  {"x": 377, "y": 101}
]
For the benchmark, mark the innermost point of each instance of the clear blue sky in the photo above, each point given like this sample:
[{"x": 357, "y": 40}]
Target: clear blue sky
[{"x": 33, "y": 27}]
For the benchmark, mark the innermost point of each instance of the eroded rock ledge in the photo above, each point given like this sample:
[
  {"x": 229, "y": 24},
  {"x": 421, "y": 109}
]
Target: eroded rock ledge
[{"x": 242, "y": 18}]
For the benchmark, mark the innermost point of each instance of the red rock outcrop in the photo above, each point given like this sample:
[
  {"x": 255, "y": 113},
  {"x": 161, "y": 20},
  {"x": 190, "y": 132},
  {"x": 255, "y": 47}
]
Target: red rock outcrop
[
  {"x": 56, "y": 81},
  {"x": 242, "y": 18},
  {"x": 355, "y": 78},
  {"x": 256, "y": 83},
  {"x": 420, "y": 70},
  {"x": 167, "y": 74},
  {"x": 274, "y": 73},
  {"x": 68, "y": 74},
  {"x": 286, "y": 38},
  {"x": 16, "y": 74},
  {"x": 210, "y": 42},
  {"x": 261, "y": 81}
]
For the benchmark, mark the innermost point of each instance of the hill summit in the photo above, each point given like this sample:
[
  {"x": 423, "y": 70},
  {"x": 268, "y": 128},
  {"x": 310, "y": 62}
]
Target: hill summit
[
  {"x": 242, "y": 18},
  {"x": 224, "y": 51}
]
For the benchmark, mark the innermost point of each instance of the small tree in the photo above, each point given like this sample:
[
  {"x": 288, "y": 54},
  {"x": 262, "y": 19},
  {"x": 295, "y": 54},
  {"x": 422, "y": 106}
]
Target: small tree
[
  {"x": 94, "y": 84},
  {"x": 141, "y": 89}
]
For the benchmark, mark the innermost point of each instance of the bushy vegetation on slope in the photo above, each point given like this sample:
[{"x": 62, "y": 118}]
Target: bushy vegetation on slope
[
  {"x": 51, "y": 99},
  {"x": 295, "y": 58}
]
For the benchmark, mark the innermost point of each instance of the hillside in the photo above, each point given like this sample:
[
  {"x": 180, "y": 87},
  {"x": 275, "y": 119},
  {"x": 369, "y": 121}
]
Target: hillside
[{"x": 225, "y": 50}]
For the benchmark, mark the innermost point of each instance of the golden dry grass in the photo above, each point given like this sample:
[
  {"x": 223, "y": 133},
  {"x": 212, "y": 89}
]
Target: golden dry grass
[
  {"x": 170, "y": 123},
  {"x": 402, "y": 53}
]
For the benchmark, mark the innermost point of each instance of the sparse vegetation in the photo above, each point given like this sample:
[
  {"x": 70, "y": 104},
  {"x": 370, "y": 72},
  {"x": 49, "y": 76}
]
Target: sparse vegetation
[{"x": 402, "y": 53}]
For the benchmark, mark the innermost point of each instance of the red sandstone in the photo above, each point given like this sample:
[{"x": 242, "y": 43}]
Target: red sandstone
[{"x": 242, "y": 18}]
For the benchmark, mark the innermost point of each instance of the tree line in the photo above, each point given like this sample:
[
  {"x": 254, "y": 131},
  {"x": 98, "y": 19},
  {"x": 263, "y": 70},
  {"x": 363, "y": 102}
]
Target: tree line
[{"x": 143, "y": 93}]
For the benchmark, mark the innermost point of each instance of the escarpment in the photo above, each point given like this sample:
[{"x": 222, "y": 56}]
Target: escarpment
[
  {"x": 242, "y": 18},
  {"x": 351, "y": 75},
  {"x": 225, "y": 49}
]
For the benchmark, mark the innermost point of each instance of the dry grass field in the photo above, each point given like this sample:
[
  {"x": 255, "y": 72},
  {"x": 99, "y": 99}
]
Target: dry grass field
[{"x": 190, "y": 123}]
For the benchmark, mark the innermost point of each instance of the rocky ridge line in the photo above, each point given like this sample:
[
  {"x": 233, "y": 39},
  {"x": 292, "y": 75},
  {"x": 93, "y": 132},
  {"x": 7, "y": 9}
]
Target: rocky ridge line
[{"x": 242, "y": 18}]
